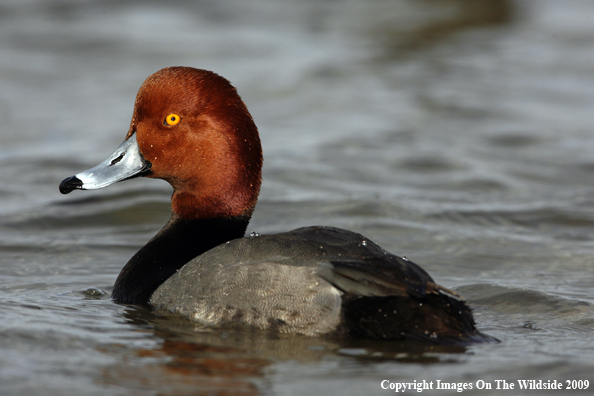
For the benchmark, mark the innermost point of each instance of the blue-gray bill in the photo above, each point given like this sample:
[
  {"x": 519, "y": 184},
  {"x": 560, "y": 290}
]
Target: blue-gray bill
[{"x": 124, "y": 163}]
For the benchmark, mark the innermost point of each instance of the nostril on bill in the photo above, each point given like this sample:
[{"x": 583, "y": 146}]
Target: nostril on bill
[{"x": 117, "y": 159}]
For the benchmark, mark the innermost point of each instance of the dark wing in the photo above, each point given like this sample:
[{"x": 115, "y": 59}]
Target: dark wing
[{"x": 361, "y": 267}]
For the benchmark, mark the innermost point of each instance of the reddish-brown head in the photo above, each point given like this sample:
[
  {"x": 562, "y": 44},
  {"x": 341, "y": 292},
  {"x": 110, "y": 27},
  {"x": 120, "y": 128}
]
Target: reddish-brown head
[{"x": 198, "y": 135}]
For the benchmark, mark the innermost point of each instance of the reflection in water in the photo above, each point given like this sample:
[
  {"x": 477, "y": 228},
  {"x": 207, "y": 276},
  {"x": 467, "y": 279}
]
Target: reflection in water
[
  {"x": 236, "y": 360},
  {"x": 274, "y": 346},
  {"x": 199, "y": 369}
]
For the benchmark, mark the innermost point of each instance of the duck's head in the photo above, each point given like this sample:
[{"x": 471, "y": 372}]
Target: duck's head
[{"x": 190, "y": 128}]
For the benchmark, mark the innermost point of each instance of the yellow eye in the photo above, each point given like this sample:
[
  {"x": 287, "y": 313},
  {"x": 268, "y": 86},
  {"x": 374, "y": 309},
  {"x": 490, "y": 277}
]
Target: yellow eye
[{"x": 172, "y": 119}]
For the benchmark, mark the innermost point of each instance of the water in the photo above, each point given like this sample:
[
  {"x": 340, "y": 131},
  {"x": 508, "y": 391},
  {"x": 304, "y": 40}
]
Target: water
[{"x": 453, "y": 133}]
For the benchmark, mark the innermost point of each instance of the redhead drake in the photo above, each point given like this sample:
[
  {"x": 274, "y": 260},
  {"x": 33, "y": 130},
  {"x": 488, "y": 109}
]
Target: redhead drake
[{"x": 191, "y": 128}]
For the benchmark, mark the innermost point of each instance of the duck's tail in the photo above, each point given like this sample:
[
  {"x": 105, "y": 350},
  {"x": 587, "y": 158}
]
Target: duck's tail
[{"x": 437, "y": 317}]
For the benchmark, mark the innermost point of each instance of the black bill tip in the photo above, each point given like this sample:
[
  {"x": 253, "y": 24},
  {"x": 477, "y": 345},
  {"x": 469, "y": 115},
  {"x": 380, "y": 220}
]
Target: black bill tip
[{"x": 70, "y": 184}]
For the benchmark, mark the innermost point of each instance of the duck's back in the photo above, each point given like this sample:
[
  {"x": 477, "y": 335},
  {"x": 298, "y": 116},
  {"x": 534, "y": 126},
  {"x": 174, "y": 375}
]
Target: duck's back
[{"x": 313, "y": 281}]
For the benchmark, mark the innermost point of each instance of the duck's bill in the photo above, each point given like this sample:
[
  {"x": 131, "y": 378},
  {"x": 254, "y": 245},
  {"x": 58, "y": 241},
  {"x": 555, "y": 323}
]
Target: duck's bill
[{"x": 125, "y": 163}]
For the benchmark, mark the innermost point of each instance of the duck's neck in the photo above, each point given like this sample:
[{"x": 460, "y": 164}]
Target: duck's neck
[{"x": 176, "y": 244}]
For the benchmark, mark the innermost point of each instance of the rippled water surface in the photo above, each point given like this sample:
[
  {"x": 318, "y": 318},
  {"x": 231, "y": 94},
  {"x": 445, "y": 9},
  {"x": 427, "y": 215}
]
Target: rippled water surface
[{"x": 457, "y": 133}]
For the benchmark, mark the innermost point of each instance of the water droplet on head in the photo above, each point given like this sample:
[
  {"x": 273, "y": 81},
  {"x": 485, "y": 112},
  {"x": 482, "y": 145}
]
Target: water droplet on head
[
  {"x": 254, "y": 234},
  {"x": 364, "y": 243},
  {"x": 404, "y": 258}
]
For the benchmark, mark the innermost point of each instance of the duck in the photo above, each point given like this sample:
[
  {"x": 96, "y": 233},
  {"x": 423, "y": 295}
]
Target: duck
[{"x": 190, "y": 128}]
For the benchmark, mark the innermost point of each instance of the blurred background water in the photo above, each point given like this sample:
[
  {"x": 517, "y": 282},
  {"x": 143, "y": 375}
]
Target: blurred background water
[{"x": 455, "y": 132}]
